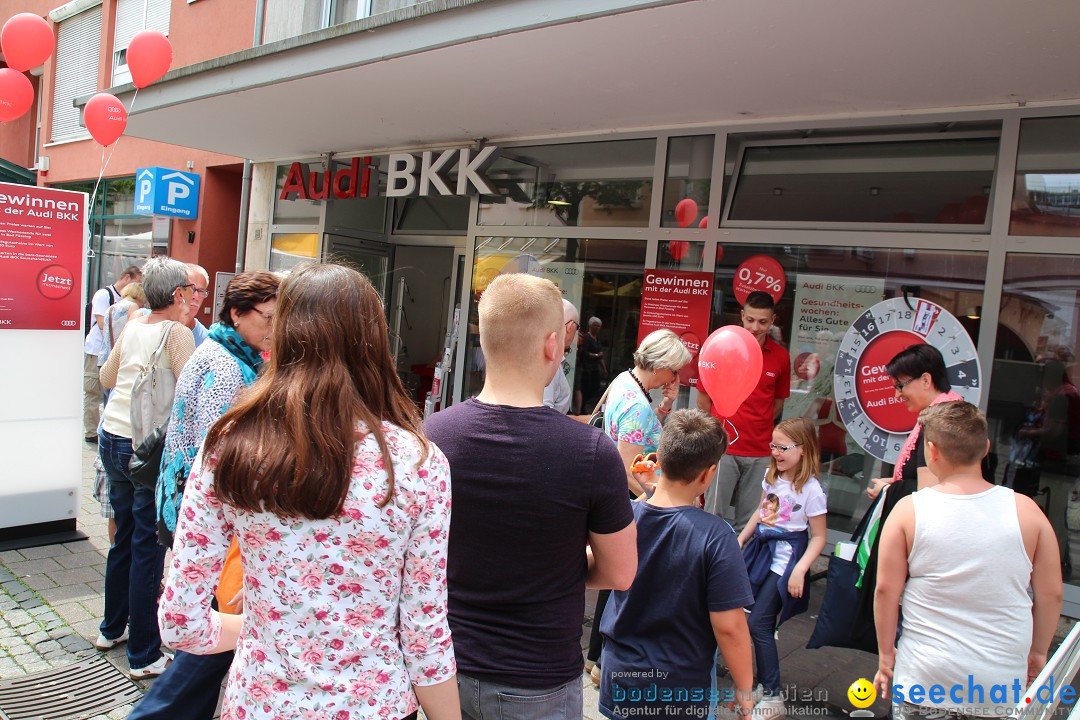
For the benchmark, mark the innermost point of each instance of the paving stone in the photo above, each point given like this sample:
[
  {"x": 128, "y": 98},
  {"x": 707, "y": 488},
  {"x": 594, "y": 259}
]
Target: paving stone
[
  {"x": 95, "y": 605},
  {"x": 72, "y": 612},
  {"x": 66, "y": 593},
  {"x": 33, "y": 567},
  {"x": 47, "y": 646},
  {"x": 45, "y": 551},
  {"x": 11, "y": 587},
  {"x": 39, "y": 582},
  {"x": 10, "y": 556},
  {"x": 18, "y": 618},
  {"x": 36, "y": 637},
  {"x": 75, "y": 575},
  {"x": 83, "y": 559}
]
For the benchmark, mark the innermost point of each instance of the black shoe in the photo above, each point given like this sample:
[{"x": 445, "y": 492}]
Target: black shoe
[{"x": 91, "y": 439}]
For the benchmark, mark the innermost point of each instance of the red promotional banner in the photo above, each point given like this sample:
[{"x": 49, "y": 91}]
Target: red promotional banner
[
  {"x": 680, "y": 302},
  {"x": 41, "y": 257}
]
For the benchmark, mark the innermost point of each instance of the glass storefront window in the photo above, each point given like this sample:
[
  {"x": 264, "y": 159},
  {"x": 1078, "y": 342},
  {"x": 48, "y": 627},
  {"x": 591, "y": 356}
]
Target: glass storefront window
[
  {"x": 680, "y": 255},
  {"x": 596, "y": 184},
  {"x": 940, "y": 182},
  {"x": 1034, "y": 408},
  {"x": 295, "y": 211},
  {"x": 1046, "y": 196},
  {"x": 601, "y": 277},
  {"x": 688, "y": 177},
  {"x": 287, "y": 250},
  {"x": 823, "y": 290}
]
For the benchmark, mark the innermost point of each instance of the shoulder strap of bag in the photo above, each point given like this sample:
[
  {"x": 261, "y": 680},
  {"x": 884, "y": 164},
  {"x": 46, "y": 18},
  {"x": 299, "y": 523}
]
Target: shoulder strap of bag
[
  {"x": 112, "y": 335},
  {"x": 155, "y": 359},
  {"x": 603, "y": 399}
]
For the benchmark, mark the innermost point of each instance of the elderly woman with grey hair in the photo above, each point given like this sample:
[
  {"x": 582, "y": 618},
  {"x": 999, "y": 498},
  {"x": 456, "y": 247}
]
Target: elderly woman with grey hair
[
  {"x": 136, "y": 561},
  {"x": 629, "y": 418}
]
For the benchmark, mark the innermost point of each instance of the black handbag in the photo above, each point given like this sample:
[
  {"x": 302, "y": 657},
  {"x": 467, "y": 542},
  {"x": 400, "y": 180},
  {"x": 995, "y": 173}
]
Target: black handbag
[
  {"x": 839, "y": 623},
  {"x": 146, "y": 460}
]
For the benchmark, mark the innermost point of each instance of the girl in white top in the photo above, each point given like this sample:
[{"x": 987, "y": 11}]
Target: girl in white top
[{"x": 792, "y": 500}]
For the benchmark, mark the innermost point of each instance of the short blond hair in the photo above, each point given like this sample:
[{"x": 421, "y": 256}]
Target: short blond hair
[
  {"x": 958, "y": 429},
  {"x": 133, "y": 291},
  {"x": 662, "y": 350},
  {"x": 517, "y": 313}
]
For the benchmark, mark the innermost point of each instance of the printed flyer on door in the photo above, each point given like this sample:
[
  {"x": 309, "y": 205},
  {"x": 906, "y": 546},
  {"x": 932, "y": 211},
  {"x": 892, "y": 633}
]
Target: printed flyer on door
[
  {"x": 41, "y": 257},
  {"x": 678, "y": 301}
]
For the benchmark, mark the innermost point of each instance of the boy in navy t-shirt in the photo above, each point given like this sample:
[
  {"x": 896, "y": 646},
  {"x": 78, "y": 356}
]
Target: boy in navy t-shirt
[{"x": 661, "y": 635}]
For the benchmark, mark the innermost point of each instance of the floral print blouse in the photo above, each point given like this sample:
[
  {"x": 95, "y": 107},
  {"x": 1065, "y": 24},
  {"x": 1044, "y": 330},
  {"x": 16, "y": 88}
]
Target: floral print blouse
[
  {"x": 628, "y": 415},
  {"x": 342, "y": 615}
]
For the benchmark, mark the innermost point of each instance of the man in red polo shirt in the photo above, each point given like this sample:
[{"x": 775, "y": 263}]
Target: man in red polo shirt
[{"x": 738, "y": 479}]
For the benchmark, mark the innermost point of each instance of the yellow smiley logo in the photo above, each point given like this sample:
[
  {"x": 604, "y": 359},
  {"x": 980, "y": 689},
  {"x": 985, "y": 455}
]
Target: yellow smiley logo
[{"x": 861, "y": 693}]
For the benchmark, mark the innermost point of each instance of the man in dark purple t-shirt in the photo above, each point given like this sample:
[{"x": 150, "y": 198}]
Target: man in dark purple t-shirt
[{"x": 530, "y": 487}]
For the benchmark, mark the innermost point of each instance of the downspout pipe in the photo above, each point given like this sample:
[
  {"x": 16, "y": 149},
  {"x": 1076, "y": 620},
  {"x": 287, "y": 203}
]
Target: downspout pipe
[{"x": 245, "y": 187}]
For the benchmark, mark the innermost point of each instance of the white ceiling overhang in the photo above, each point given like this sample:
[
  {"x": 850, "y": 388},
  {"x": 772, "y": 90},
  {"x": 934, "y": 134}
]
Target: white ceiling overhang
[{"x": 501, "y": 69}]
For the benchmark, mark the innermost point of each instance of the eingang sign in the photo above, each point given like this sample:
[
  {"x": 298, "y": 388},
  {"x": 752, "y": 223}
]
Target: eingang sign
[{"x": 406, "y": 175}]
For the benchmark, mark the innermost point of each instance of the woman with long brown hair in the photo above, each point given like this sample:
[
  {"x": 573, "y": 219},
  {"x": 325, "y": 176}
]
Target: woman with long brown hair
[{"x": 341, "y": 508}]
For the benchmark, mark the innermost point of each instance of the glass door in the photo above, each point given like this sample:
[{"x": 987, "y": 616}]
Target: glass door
[{"x": 371, "y": 258}]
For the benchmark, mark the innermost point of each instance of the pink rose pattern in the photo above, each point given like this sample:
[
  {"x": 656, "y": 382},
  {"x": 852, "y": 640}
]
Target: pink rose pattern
[
  {"x": 343, "y": 615},
  {"x": 629, "y": 417}
]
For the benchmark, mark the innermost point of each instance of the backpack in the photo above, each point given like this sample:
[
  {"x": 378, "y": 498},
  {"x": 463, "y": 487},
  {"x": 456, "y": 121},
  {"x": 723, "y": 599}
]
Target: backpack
[
  {"x": 152, "y": 396},
  {"x": 88, "y": 318}
]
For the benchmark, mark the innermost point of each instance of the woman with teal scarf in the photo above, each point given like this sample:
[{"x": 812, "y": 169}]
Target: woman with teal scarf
[{"x": 222, "y": 366}]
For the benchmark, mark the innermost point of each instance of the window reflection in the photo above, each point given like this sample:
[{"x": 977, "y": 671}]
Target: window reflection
[
  {"x": 1046, "y": 196},
  {"x": 601, "y": 277},
  {"x": 1034, "y": 408},
  {"x": 598, "y": 184}
]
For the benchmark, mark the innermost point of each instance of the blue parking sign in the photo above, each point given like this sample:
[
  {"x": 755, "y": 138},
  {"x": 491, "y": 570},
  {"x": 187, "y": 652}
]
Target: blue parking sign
[{"x": 162, "y": 191}]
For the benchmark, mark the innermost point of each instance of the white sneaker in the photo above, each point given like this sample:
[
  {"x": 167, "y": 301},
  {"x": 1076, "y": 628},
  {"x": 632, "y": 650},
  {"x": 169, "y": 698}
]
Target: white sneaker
[
  {"x": 104, "y": 643},
  {"x": 153, "y": 669},
  {"x": 769, "y": 707}
]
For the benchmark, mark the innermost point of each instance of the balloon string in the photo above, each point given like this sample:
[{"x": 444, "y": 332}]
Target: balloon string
[
  {"x": 101, "y": 173},
  {"x": 734, "y": 430}
]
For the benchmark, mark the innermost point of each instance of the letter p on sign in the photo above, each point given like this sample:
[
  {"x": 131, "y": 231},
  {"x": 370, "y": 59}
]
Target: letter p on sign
[{"x": 177, "y": 191}]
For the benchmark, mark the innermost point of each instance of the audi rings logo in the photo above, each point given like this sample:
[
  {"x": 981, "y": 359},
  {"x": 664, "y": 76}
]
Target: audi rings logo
[
  {"x": 68, "y": 323},
  {"x": 867, "y": 289}
]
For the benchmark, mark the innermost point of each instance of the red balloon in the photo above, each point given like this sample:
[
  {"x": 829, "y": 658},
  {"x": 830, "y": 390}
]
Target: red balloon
[
  {"x": 678, "y": 249},
  {"x": 16, "y": 94},
  {"x": 149, "y": 55},
  {"x": 27, "y": 40},
  {"x": 704, "y": 222},
  {"x": 105, "y": 117},
  {"x": 729, "y": 366},
  {"x": 686, "y": 212}
]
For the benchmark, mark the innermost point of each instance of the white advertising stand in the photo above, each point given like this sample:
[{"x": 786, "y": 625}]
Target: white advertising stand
[{"x": 42, "y": 270}]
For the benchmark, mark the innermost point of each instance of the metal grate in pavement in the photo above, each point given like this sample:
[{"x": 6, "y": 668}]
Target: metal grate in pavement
[{"x": 83, "y": 689}]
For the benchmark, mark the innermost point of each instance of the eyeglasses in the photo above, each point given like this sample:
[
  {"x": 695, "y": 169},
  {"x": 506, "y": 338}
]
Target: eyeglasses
[
  {"x": 783, "y": 448},
  {"x": 190, "y": 286},
  {"x": 901, "y": 385},
  {"x": 200, "y": 291},
  {"x": 575, "y": 323}
]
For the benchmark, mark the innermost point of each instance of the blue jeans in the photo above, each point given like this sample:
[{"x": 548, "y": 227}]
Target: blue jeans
[
  {"x": 483, "y": 700},
  {"x": 136, "y": 561},
  {"x": 188, "y": 690},
  {"x": 762, "y": 622}
]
